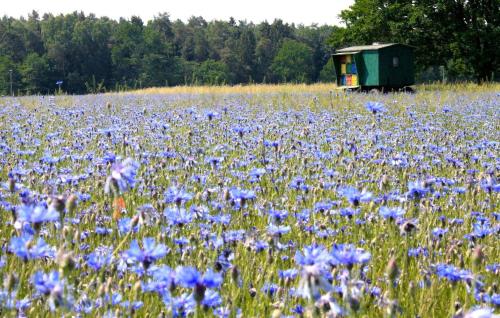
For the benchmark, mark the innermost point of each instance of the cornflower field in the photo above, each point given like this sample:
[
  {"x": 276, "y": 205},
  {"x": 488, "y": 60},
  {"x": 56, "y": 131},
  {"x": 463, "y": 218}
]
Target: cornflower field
[{"x": 238, "y": 204}]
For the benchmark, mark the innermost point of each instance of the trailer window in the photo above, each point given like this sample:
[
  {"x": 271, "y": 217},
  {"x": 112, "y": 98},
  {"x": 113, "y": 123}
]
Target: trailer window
[{"x": 395, "y": 61}]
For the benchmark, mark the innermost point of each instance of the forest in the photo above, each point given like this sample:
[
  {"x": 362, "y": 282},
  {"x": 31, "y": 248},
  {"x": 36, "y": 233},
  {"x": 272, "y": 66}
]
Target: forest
[{"x": 453, "y": 41}]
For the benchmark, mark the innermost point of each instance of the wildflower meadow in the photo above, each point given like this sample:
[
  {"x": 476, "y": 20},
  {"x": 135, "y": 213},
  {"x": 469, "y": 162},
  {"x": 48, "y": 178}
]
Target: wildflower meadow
[{"x": 247, "y": 204}]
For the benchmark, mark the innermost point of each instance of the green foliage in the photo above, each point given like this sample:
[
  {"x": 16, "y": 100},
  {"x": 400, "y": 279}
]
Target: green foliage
[
  {"x": 34, "y": 71},
  {"x": 462, "y": 36},
  {"x": 328, "y": 74},
  {"x": 293, "y": 62},
  {"x": 6, "y": 64},
  {"x": 210, "y": 72},
  {"x": 83, "y": 50},
  {"x": 93, "y": 54}
]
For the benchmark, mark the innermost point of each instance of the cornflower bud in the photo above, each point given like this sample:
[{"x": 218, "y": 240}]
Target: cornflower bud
[
  {"x": 392, "y": 269},
  {"x": 71, "y": 204}
]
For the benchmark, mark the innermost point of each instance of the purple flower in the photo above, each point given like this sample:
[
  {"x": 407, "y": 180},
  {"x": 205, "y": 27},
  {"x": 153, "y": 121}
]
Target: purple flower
[
  {"x": 439, "y": 232},
  {"x": 417, "y": 190},
  {"x": 182, "y": 306},
  {"x": 241, "y": 194},
  {"x": 46, "y": 283},
  {"x": 274, "y": 230},
  {"x": 375, "y": 107},
  {"x": 391, "y": 213},
  {"x": 122, "y": 177},
  {"x": 177, "y": 196},
  {"x": 22, "y": 246},
  {"x": 452, "y": 273},
  {"x": 189, "y": 277},
  {"x": 37, "y": 214},
  {"x": 150, "y": 253},
  {"x": 416, "y": 252},
  {"x": 211, "y": 299},
  {"x": 480, "y": 312},
  {"x": 288, "y": 274},
  {"x": 349, "y": 255},
  {"x": 354, "y": 196},
  {"x": 312, "y": 255},
  {"x": 178, "y": 216},
  {"x": 101, "y": 257}
]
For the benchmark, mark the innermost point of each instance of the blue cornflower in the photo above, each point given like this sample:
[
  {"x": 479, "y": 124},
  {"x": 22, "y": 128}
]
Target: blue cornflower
[
  {"x": 349, "y": 255},
  {"x": 37, "y": 214},
  {"x": 126, "y": 225},
  {"x": 189, "y": 277},
  {"x": 162, "y": 282},
  {"x": 312, "y": 255},
  {"x": 417, "y": 190},
  {"x": 480, "y": 312},
  {"x": 256, "y": 173},
  {"x": 391, "y": 213},
  {"x": 211, "y": 114},
  {"x": 315, "y": 278},
  {"x": 182, "y": 306},
  {"x": 225, "y": 312},
  {"x": 99, "y": 230},
  {"x": 494, "y": 268},
  {"x": 22, "y": 247},
  {"x": 212, "y": 299},
  {"x": 375, "y": 107},
  {"x": 349, "y": 212},
  {"x": 323, "y": 206},
  {"x": 480, "y": 230},
  {"x": 452, "y": 273},
  {"x": 261, "y": 246},
  {"x": 178, "y": 216},
  {"x": 240, "y": 130},
  {"x": 133, "y": 305},
  {"x": 149, "y": 254},
  {"x": 459, "y": 190},
  {"x": 101, "y": 257},
  {"x": 299, "y": 310},
  {"x": 177, "y": 196},
  {"x": 241, "y": 195},
  {"x": 278, "y": 215},
  {"x": 288, "y": 274},
  {"x": 298, "y": 183},
  {"x": 269, "y": 289},
  {"x": 490, "y": 185},
  {"x": 234, "y": 235},
  {"x": 495, "y": 299},
  {"x": 109, "y": 158},
  {"x": 122, "y": 177},
  {"x": 354, "y": 196},
  {"x": 214, "y": 161},
  {"x": 439, "y": 232},
  {"x": 46, "y": 283},
  {"x": 416, "y": 252},
  {"x": 274, "y": 230}
]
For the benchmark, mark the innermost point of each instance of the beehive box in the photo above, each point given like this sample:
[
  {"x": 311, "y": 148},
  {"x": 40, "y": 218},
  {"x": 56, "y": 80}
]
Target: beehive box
[{"x": 378, "y": 65}]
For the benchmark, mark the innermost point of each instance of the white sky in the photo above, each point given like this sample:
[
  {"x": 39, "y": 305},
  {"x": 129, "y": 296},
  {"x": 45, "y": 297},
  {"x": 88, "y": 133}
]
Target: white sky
[{"x": 297, "y": 11}]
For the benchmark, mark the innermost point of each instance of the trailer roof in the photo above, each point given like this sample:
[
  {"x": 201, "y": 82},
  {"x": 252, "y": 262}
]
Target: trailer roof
[{"x": 359, "y": 48}]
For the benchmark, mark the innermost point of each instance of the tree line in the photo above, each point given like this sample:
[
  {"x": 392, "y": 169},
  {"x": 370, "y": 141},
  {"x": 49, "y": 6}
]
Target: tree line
[
  {"x": 454, "y": 40},
  {"x": 94, "y": 54}
]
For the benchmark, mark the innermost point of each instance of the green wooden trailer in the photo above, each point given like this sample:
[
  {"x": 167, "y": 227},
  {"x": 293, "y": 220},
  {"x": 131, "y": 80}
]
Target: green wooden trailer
[{"x": 386, "y": 66}]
